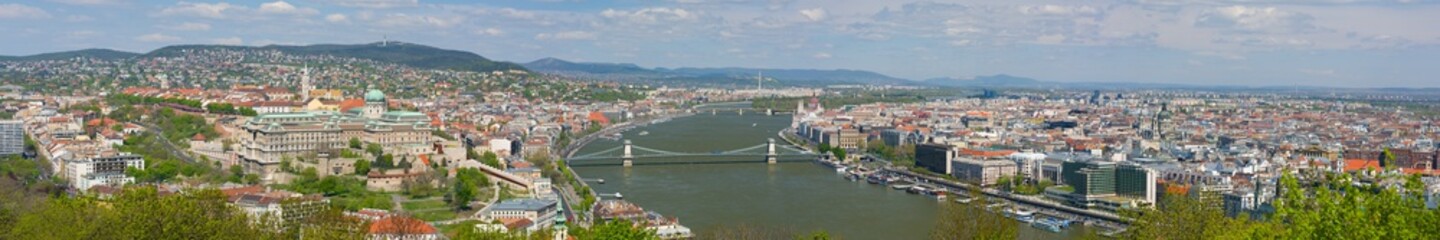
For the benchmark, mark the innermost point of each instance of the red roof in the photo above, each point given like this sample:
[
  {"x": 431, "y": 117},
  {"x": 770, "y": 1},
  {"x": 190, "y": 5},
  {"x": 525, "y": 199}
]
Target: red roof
[
  {"x": 351, "y": 103},
  {"x": 599, "y": 118},
  {"x": 401, "y": 225},
  {"x": 1354, "y": 164},
  {"x": 986, "y": 154},
  {"x": 515, "y": 223}
]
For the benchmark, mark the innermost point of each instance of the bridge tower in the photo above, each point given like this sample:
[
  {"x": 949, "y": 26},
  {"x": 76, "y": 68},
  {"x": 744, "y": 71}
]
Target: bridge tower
[
  {"x": 742, "y": 112},
  {"x": 628, "y": 157},
  {"x": 770, "y": 156}
]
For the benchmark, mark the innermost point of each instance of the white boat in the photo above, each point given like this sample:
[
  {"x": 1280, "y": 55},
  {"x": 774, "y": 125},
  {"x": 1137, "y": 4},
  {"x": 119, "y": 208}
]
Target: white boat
[
  {"x": 643, "y": 133},
  {"x": 753, "y": 124},
  {"x": 841, "y": 169},
  {"x": 1024, "y": 215}
]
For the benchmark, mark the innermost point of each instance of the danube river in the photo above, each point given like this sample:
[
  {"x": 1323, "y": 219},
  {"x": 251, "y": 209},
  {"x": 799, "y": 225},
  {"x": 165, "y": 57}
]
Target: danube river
[{"x": 798, "y": 196}]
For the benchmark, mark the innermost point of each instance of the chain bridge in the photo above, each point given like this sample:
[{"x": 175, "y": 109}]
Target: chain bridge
[{"x": 630, "y": 155}]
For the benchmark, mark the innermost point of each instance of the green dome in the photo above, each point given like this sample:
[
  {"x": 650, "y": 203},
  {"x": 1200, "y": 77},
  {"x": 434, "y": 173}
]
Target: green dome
[{"x": 374, "y": 96}]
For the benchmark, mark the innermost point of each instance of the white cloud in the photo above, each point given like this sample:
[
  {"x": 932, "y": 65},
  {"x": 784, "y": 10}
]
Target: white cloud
[
  {"x": 402, "y": 20},
  {"x": 489, "y": 32},
  {"x": 1049, "y": 9},
  {"x": 1319, "y": 72},
  {"x": 1255, "y": 19},
  {"x": 282, "y": 7},
  {"x": 568, "y": 35},
  {"x": 206, "y": 10},
  {"x": 651, "y": 15},
  {"x": 190, "y": 26},
  {"x": 228, "y": 41},
  {"x": 89, "y": 2},
  {"x": 337, "y": 18},
  {"x": 813, "y": 15},
  {"x": 1051, "y": 39},
  {"x": 78, "y": 18},
  {"x": 81, "y": 35},
  {"x": 156, "y": 37},
  {"x": 21, "y": 11},
  {"x": 374, "y": 3},
  {"x": 821, "y": 55}
]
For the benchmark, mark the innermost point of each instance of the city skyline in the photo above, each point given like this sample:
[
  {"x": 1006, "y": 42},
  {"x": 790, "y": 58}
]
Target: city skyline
[{"x": 1251, "y": 43}]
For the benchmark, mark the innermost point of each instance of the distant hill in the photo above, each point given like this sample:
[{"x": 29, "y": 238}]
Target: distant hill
[
  {"x": 103, "y": 54},
  {"x": 1008, "y": 81},
  {"x": 557, "y": 65},
  {"x": 798, "y": 75},
  {"x": 409, "y": 54},
  {"x": 632, "y": 72},
  {"x": 1001, "y": 80}
]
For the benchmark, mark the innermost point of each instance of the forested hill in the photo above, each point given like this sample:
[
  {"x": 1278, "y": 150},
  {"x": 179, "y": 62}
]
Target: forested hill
[{"x": 409, "y": 54}]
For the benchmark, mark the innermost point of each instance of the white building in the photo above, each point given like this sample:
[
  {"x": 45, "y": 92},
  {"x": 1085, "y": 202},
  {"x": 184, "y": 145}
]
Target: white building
[
  {"x": 104, "y": 169},
  {"x": 542, "y": 212}
]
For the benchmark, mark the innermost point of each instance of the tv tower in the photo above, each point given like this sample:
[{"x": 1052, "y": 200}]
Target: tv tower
[{"x": 759, "y": 79}]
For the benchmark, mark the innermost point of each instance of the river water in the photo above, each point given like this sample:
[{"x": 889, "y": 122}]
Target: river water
[{"x": 797, "y": 196}]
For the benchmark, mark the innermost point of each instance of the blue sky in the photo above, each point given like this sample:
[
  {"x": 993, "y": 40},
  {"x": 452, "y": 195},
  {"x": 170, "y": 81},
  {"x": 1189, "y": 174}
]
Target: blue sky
[{"x": 1346, "y": 43}]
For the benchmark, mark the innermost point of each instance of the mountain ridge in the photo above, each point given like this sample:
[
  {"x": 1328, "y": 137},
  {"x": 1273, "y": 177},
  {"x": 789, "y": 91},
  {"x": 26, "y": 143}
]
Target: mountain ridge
[
  {"x": 632, "y": 72},
  {"x": 409, "y": 54},
  {"x": 98, "y": 53}
]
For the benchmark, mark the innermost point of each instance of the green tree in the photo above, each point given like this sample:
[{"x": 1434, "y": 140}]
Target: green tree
[
  {"x": 971, "y": 221},
  {"x": 141, "y": 213},
  {"x": 461, "y": 194},
  {"x": 362, "y": 167},
  {"x": 252, "y": 178},
  {"x": 839, "y": 153},
  {"x": 386, "y": 161},
  {"x": 355, "y": 143},
  {"x": 374, "y": 149},
  {"x": 614, "y": 230},
  {"x": 237, "y": 174},
  {"x": 490, "y": 159}
]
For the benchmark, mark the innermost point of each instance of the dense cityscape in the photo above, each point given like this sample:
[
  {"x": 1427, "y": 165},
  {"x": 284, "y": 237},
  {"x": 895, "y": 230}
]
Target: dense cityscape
[{"x": 265, "y": 139}]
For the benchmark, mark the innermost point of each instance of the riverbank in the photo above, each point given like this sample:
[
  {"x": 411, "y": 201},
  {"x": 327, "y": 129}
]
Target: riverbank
[{"x": 1097, "y": 218}]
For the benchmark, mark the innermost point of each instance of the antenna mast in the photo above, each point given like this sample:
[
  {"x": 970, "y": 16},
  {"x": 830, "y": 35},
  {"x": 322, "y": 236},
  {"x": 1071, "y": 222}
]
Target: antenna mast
[{"x": 759, "y": 79}]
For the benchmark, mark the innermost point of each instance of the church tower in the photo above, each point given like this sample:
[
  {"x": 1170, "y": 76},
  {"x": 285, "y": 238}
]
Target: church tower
[{"x": 305, "y": 83}]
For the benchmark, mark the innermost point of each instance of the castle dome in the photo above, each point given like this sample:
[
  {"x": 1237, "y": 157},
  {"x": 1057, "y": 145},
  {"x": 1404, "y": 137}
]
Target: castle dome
[{"x": 374, "y": 96}]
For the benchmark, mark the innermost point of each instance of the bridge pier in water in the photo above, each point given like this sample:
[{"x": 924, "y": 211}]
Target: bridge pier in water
[
  {"x": 770, "y": 156},
  {"x": 628, "y": 157}
]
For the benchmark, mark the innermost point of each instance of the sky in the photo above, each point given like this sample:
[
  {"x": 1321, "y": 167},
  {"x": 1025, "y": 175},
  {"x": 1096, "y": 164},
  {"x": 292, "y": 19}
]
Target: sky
[{"x": 1340, "y": 43}]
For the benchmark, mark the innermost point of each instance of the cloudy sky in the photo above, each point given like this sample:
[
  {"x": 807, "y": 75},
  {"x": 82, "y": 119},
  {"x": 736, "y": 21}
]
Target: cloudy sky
[{"x": 1349, "y": 43}]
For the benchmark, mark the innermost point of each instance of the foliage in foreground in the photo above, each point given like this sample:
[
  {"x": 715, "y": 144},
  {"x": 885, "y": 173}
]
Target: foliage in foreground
[
  {"x": 138, "y": 213},
  {"x": 1327, "y": 207}
]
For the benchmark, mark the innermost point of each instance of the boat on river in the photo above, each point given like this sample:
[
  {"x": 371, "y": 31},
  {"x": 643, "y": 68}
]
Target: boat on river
[
  {"x": 917, "y": 189},
  {"x": 643, "y": 133},
  {"x": 1051, "y": 224},
  {"x": 965, "y": 200},
  {"x": 1021, "y": 214},
  {"x": 877, "y": 179}
]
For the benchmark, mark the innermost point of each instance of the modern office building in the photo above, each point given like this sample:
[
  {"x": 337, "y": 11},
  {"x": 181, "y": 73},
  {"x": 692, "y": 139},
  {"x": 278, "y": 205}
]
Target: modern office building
[
  {"x": 12, "y": 137},
  {"x": 1135, "y": 181},
  {"x": 985, "y": 172},
  {"x": 1105, "y": 185},
  {"x": 934, "y": 157}
]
